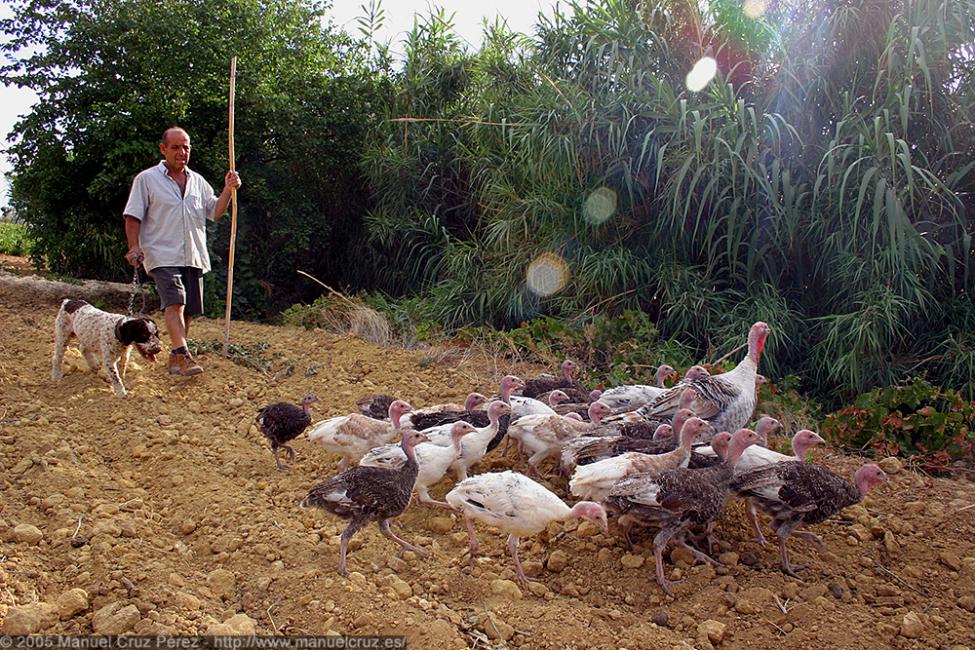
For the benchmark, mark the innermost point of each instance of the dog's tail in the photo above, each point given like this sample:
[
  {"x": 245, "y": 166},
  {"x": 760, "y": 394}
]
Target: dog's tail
[{"x": 70, "y": 306}]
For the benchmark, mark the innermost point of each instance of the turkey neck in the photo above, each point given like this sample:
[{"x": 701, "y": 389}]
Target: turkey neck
[{"x": 410, "y": 467}]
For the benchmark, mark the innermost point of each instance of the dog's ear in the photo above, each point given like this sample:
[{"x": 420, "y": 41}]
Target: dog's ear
[{"x": 134, "y": 331}]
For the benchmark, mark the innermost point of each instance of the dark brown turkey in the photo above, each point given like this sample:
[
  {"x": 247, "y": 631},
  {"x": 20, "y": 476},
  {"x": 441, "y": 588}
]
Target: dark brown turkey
[
  {"x": 375, "y": 405},
  {"x": 542, "y": 385},
  {"x": 283, "y": 422},
  {"x": 675, "y": 500},
  {"x": 441, "y": 414},
  {"x": 366, "y": 494},
  {"x": 795, "y": 494}
]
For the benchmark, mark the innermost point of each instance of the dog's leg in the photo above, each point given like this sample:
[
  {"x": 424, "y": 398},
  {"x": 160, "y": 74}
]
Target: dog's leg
[
  {"x": 90, "y": 358},
  {"x": 62, "y": 330},
  {"x": 123, "y": 361},
  {"x": 111, "y": 369}
]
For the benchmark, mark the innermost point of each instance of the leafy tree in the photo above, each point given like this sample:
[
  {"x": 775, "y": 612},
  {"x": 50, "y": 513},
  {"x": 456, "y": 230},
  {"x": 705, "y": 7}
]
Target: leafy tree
[
  {"x": 112, "y": 74},
  {"x": 820, "y": 182}
]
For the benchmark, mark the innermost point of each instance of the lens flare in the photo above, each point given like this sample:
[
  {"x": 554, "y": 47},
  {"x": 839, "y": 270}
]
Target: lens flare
[
  {"x": 547, "y": 274},
  {"x": 600, "y": 205},
  {"x": 701, "y": 74},
  {"x": 755, "y": 8}
]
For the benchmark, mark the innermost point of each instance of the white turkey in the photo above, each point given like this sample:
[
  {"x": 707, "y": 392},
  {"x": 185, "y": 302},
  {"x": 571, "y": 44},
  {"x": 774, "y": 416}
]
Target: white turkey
[
  {"x": 726, "y": 401},
  {"x": 633, "y": 396},
  {"x": 517, "y": 505},
  {"x": 432, "y": 460},
  {"x": 706, "y": 455},
  {"x": 542, "y": 436},
  {"x": 475, "y": 445},
  {"x": 797, "y": 494},
  {"x": 351, "y": 436},
  {"x": 596, "y": 480}
]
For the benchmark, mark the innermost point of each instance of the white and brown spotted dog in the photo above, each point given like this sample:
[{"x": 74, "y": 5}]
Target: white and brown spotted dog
[{"x": 109, "y": 335}]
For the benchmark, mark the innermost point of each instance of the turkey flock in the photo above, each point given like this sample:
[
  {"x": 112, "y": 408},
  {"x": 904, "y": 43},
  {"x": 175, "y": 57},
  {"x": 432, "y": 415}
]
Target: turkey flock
[{"x": 655, "y": 458}]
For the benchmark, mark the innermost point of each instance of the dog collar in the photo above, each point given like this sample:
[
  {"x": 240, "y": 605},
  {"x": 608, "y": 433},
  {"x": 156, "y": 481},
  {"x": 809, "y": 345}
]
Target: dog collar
[{"x": 118, "y": 328}]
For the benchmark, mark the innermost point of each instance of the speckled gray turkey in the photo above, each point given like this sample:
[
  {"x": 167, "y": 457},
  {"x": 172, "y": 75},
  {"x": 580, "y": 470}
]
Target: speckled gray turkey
[
  {"x": 795, "y": 493},
  {"x": 366, "y": 494},
  {"x": 283, "y": 422},
  {"x": 674, "y": 500},
  {"x": 726, "y": 401}
]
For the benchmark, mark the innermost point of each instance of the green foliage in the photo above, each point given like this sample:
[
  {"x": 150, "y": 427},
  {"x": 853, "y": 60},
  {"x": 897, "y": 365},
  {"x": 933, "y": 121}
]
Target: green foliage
[
  {"x": 818, "y": 183},
  {"x": 932, "y": 426},
  {"x": 783, "y": 400},
  {"x": 615, "y": 350},
  {"x": 112, "y": 74},
  {"x": 15, "y": 240}
]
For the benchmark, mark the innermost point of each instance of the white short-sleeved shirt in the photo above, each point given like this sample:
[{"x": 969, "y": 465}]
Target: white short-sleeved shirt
[{"x": 173, "y": 231}]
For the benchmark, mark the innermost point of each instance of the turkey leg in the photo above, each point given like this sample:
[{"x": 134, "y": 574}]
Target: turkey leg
[
  {"x": 385, "y": 530},
  {"x": 513, "y": 549}
]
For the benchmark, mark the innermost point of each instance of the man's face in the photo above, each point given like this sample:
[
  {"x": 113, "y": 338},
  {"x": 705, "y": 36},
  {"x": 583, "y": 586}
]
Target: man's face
[{"x": 176, "y": 150}]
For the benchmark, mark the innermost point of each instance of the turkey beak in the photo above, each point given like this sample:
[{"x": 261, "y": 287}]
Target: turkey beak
[{"x": 818, "y": 439}]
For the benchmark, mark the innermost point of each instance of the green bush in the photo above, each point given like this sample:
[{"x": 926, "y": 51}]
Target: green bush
[
  {"x": 930, "y": 425},
  {"x": 15, "y": 240}
]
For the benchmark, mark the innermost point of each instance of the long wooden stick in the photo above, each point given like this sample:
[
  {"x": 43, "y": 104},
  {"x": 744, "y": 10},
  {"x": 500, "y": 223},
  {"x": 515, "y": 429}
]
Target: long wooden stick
[{"x": 233, "y": 213}]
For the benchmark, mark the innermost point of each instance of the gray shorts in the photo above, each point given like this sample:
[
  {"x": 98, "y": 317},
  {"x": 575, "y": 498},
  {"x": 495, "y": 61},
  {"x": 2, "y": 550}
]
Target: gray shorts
[{"x": 180, "y": 285}]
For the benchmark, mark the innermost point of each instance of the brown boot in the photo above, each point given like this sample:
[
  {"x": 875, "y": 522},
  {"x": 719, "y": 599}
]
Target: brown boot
[{"x": 183, "y": 364}]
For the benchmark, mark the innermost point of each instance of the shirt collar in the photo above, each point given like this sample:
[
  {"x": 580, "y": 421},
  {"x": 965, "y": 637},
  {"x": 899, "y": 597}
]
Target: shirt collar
[{"x": 165, "y": 170}]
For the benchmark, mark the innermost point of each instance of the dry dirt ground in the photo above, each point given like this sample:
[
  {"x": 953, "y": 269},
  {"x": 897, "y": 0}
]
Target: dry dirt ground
[{"x": 164, "y": 514}]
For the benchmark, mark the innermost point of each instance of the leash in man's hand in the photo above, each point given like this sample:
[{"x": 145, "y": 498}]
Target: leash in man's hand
[{"x": 137, "y": 287}]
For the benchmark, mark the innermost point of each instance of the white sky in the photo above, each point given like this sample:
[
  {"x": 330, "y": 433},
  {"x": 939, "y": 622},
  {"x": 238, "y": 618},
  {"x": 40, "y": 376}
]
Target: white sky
[{"x": 468, "y": 17}]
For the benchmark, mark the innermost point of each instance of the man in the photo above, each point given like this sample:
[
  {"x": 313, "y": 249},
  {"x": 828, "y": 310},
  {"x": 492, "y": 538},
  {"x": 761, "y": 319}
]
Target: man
[{"x": 165, "y": 225}]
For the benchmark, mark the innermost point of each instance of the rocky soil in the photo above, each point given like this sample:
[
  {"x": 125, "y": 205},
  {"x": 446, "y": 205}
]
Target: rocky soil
[{"x": 164, "y": 514}]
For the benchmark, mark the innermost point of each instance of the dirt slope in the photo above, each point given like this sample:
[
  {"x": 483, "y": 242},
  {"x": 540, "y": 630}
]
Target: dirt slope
[{"x": 189, "y": 527}]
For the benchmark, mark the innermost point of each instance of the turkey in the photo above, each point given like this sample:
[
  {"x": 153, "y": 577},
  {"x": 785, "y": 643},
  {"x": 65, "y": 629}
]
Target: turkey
[
  {"x": 520, "y": 407},
  {"x": 642, "y": 426},
  {"x": 562, "y": 404},
  {"x": 760, "y": 455},
  {"x": 517, "y": 505},
  {"x": 519, "y": 404},
  {"x": 633, "y": 396},
  {"x": 375, "y": 406},
  {"x": 474, "y": 446},
  {"x": 540, "y": 386},
  {"x": 433, "y": 416},
  {"x": 596, "y": 480},
  {"x": 365, "y": 494},
  {"x": 706, "y": 456},
  {"x": 433, "y": 460},
  {"x": 727, "y": 400},
  {"x": 283, "y": 422},
  {"x": 351, "y": 436},
  {"x": 795, "y": 494},
  {"x": 591, "y": 448},
  {"x": 674, "y": 500},
  {"x": 542, "y": 436}
]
